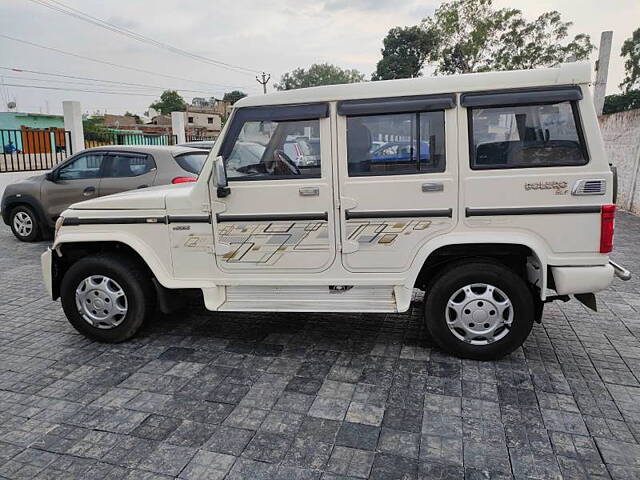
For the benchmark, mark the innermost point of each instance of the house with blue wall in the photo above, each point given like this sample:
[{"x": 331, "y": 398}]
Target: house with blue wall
[{"x": 13, "y": 123}]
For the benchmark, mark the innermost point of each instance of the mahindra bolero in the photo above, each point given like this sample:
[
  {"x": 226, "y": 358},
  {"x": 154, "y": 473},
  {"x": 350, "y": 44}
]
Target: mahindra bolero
[{"x": 489, "y": 191}]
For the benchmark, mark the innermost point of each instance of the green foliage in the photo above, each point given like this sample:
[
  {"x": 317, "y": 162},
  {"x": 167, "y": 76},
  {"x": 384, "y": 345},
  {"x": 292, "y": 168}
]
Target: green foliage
[
  {"x": 318, "y": 74},
  {"x": 233, "y": 96},
  {"x": 473, "y": 36},
  {"x": 404, "y": 53},
  {"x": 631, "y": 54},
  {"x": 95, "y": 130},
  {"x": 170, "y": 101},
  {"x": 622, "y": 102}
]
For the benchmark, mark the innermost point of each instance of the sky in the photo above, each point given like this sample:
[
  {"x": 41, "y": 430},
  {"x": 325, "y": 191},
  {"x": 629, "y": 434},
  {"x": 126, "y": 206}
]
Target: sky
[{"x": 272, "y": 36}]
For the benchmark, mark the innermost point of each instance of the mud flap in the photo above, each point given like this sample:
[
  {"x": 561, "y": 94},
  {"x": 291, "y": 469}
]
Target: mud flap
[{"x": 588, "y": 300}]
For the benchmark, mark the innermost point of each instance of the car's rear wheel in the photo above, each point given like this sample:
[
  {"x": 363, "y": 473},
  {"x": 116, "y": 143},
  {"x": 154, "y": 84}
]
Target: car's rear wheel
[
  {"x": 479, "y": 309},
  {"x": 24, "y": 224},
  {"x": 107, "y": 297}
]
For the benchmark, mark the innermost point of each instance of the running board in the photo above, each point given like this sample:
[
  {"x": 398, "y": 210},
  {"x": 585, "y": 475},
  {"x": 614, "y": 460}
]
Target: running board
[{"x": 310, "y": 299}]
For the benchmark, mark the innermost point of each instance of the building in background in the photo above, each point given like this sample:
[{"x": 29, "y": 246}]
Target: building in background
[{"x": 31, "y": 132}]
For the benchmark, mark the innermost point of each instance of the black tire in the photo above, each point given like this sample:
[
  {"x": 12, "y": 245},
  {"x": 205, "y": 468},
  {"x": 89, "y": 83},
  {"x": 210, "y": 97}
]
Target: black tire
[
  {"x": 133, "y": 280},
  {"x": 34, "y": 233},
  {"x": 470, "y": 272}
]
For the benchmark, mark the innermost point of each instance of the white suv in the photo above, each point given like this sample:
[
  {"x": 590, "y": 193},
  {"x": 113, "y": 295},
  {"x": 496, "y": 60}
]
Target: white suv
[{"x": 509, "y": 207}]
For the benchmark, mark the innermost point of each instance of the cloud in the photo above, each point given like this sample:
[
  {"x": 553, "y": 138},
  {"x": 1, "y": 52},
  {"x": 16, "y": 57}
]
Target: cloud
[{"x": 360, "y": 4}]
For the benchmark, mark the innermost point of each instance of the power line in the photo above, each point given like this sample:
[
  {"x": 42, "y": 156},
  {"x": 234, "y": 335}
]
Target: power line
[
  {"x": 114, "y": 82},
  {"x": 65, "y": 9},
  {"x": 33, "y": 44},
  {"x": 137, "y": 94}
]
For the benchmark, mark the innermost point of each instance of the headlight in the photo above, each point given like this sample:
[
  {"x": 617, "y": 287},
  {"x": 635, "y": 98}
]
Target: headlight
[{"x": 59, "y": 223}]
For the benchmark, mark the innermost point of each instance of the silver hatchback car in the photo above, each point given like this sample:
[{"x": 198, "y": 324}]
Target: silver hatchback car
[{"x": 31, "y": 207}]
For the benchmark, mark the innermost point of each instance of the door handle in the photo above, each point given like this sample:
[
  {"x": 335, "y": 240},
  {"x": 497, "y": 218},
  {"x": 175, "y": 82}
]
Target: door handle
[
  {"x": 143, "y": 186},
  {"x": 309, "y": 191},
  {"x": 89, "y": 191},
  {"x": 432, "y": 187}
]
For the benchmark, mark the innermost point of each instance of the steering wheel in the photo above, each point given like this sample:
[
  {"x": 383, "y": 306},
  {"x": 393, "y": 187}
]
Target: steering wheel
[{"x": 281, "y": 164}]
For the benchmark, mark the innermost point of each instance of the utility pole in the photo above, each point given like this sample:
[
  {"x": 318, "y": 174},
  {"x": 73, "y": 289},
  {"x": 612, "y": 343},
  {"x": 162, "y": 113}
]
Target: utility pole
[
  {"x": 263, "y": 81},
  {"x": 602, "y": 71}
]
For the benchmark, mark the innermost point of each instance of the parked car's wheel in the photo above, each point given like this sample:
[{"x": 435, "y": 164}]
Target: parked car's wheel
[
  {"x": 107, "y": 297},
  {"x": 479, "y": 309},
  {"x": 24, "y": 224}
]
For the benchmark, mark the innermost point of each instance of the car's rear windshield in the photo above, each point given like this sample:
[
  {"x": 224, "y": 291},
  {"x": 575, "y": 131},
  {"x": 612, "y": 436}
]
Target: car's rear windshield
[{"x": 192, "y": 162}]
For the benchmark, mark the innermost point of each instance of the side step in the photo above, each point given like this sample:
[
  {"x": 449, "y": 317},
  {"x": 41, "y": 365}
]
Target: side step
[{"x": 310, "y": 299}]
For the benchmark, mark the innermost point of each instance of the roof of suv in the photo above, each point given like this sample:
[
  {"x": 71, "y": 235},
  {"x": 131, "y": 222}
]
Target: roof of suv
[
  {"x": 565, "y": 74},
  {"x": 172, "y": 149}
]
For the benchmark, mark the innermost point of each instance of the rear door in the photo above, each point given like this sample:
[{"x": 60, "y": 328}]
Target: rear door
[
  {"x": 77, "y": 180},
  {"x": 529, "y": 168},
  {"x": 397, "y": 197},
  {"x": 127, "y": 171},
  {"x": 279, "y": 215}
]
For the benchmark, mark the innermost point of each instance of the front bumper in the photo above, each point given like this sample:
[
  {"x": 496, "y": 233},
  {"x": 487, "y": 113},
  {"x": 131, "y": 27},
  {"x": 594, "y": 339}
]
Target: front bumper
[{"x": 47, "y": 275}]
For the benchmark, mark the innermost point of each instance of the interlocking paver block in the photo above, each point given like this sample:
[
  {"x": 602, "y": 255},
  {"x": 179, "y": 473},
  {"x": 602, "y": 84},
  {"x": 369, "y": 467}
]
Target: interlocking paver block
[{"x": 315, "y": 396}]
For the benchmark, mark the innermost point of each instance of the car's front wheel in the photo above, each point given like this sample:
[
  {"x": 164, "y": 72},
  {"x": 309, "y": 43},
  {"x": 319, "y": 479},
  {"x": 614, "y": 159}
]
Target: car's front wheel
[
  {"x": 107, "y": 297},
  {"x": 479, "y": 309},
  {"x": 24, "y": 224}
]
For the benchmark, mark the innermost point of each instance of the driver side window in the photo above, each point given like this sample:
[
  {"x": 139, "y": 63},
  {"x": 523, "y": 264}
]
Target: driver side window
[
  {"x": 269, "y": 150},
  {"x": 84, "y": 167}
]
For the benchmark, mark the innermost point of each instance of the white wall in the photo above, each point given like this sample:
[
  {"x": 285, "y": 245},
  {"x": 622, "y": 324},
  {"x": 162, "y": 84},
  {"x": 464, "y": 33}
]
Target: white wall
[{"x": 621, "y": 134}]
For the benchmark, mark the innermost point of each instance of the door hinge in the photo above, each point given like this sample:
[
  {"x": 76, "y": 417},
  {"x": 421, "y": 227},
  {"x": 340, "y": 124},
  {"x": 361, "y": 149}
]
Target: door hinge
[{"x": 206, "y": 208}]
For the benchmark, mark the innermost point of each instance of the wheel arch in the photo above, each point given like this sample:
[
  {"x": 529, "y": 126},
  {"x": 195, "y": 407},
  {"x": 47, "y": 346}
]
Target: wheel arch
[
  {"x": 514, "y": 252},
  {"x": 24, "y": 200},
  {"x": 71, "y": 247}
]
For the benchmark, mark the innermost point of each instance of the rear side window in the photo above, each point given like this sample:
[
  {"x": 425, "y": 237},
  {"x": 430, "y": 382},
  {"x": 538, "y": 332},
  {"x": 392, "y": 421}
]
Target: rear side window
[
  {"x": 127, "y": 165},
  {"x": 395, "y": 144},
  {"x": 540, "y": 135},
  {"x": 192, "y": 162}
]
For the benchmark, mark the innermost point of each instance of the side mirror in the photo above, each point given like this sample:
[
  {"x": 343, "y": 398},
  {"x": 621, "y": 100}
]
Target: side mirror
[
  {"x": 220, "y": 178},
  {"x": 51, "y": 176}
]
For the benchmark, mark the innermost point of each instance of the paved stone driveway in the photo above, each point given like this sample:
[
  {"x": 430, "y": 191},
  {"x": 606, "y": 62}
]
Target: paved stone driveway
[{"x": 299, "y": 396}]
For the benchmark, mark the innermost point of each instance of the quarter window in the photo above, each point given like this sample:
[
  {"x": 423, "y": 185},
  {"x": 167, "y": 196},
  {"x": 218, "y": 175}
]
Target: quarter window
[
  {"x": 270, "y": 150},
  {"x": 526, "y": 136},
  {"x": 394, "y": 144}
]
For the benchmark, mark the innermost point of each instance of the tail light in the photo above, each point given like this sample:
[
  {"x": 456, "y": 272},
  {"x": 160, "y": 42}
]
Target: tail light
[
  {"x": 184, "y": 179},
  {"x": 607, "y": 225}
]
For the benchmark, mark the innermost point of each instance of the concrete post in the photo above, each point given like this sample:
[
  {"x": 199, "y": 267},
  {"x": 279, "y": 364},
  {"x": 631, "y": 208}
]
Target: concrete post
[
  {"x": 73, "y": 123},
  {"x": 602, "y": 71},
  {"x": 177, "y": 126}
]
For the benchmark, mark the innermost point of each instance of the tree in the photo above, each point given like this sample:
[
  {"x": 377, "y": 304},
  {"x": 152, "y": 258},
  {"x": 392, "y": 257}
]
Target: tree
[
  {"x": 405, "y": 49},
  {"x": 233, "y": 96},
  {"x": 318, "y": 74},
  {"x": 170, "y": 101},
  {"x": 631, "y": 54},
  {"x": 622, "y": 102},
  {"x": 473, "y": 36},
  {"x": 94, "y": 129}
]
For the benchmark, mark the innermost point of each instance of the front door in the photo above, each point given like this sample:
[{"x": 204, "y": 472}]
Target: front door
[
  {"x": 127, "y": 171},
  {"x": 75, "y": 181},
  {"x": 278, "y": 216},
  {"x": 398, "y": 178}
]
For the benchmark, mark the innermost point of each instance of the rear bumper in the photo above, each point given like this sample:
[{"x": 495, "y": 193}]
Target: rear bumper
[
  {"x": 45, "y": 261},
  {"x": 573, "y": 280}
]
